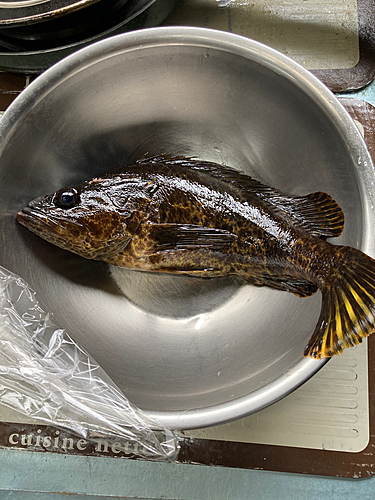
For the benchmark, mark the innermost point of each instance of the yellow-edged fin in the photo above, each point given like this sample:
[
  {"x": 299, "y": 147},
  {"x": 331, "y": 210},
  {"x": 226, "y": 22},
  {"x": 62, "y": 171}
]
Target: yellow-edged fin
[{"x": 348, "y": 306}]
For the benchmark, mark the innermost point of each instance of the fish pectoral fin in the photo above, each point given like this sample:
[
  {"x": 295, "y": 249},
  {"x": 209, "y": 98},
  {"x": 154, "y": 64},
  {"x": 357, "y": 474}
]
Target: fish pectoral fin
[
  {"x": 317, "y": 213},
  {"x": 180, "y": 237}
]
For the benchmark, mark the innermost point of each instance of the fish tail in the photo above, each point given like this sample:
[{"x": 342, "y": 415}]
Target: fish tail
[{"x": 348, "y": 305}]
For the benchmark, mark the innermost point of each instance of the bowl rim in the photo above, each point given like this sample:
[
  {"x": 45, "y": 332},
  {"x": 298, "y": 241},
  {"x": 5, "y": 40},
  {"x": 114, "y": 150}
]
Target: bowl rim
[{"x": 274, "y": 60}]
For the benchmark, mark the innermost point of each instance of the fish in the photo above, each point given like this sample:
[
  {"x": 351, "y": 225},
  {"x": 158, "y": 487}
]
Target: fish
[{"x": 182, "y": 215}]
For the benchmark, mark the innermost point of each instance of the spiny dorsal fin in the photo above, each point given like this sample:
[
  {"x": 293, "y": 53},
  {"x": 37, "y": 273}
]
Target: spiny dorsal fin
[
  {"x": 224, "y": 173},
  {"x": 316, "y": 214}
]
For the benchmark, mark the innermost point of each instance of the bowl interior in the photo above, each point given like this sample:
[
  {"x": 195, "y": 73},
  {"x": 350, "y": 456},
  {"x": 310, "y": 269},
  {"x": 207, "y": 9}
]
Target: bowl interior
[{"x": 173, "y": 344}]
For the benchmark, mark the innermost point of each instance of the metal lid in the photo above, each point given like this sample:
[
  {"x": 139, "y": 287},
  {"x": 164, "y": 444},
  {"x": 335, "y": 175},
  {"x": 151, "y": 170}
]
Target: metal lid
[{"x": 20, "y": 12}]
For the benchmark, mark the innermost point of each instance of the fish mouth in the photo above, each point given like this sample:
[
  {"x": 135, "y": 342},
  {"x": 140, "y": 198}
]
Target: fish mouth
[
  {"x": 29, "y": 214},
  {"x": 35, "y": 220}
]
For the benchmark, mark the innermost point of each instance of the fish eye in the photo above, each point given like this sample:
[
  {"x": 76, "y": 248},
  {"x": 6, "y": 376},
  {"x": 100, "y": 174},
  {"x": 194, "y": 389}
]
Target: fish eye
[{"x": 67, "y": 198}]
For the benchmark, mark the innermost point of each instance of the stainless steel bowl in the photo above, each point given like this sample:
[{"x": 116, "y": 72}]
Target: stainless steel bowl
[
  {"x": 191, "y": 352},
  {"x": 37, "y": 48},
  {"x": 20, "y": 12}
]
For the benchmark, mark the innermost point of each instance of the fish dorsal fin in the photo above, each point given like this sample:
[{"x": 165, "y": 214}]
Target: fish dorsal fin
[
  {"x": 316, "y": 214},
  {"x": 224, "y": 173}
]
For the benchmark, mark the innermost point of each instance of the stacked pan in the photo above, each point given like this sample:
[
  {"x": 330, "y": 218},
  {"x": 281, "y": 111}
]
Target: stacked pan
[{"x": 36, "y": 33}]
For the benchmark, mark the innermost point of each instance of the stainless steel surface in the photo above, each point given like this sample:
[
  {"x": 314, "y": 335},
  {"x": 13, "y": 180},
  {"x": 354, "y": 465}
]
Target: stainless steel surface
[
  {"x": 19, "y": 12},
  {"x": 35, "y": 56},
  {"x": 191, "y": 352},
  {"x": 61, "y": 29}
]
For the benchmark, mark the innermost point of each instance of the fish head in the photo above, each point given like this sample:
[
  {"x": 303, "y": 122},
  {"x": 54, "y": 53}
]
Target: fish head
[{"x": 95, "y": 220}]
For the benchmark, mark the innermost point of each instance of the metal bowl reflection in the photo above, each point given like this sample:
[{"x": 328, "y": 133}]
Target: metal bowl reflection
[{"x": 191, "y": 352}]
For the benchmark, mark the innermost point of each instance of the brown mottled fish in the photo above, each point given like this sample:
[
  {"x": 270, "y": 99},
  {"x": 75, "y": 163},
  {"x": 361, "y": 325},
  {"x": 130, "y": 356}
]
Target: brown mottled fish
[{"x": 184, "y": 216}]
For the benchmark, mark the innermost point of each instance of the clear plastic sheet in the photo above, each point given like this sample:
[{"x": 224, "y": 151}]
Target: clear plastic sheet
[{"x": 45, "y": 375}]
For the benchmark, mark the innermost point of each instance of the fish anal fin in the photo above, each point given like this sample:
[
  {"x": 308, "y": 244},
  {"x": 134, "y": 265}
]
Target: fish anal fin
[
  {"x": 299, "y": 287},
  {"x": 348, "y": 307}
]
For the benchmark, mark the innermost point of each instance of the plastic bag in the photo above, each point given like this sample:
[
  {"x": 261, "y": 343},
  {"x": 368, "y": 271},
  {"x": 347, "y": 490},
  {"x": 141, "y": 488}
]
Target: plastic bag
[{"x": 45, "y": 375}]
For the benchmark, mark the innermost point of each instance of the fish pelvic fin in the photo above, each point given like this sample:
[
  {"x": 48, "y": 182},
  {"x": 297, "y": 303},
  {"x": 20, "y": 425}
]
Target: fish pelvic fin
[{"x": 348, "y": 306}]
